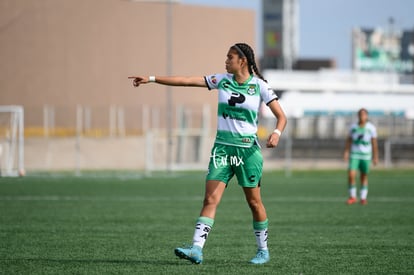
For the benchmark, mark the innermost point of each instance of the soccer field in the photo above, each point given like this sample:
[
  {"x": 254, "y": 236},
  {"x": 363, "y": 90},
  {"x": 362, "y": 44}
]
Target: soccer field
[{"x": 130, "y": 224}]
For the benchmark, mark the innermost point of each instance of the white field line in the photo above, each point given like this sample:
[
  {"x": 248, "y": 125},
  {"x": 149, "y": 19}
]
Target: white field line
[{"x": 192, "y": 198}]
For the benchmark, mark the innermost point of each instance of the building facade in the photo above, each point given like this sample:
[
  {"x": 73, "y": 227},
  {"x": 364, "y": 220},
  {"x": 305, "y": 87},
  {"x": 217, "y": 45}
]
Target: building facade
[{"x": 70, "y": 53}]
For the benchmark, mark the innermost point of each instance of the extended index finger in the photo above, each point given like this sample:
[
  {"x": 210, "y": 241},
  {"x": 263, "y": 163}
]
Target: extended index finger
[{"x": 130, "y": 77}]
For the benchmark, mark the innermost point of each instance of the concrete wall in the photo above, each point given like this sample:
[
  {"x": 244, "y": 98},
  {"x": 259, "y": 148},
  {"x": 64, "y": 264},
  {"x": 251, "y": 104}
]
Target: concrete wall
[{"x": 68, "y": 52}]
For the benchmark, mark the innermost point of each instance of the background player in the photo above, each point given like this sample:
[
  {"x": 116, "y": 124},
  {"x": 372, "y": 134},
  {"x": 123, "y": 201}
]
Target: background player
[{"x": 360, "y": 148}]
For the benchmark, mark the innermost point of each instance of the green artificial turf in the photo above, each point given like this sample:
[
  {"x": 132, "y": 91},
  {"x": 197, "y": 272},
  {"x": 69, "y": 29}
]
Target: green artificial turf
[{"x": 103, "y": 223}]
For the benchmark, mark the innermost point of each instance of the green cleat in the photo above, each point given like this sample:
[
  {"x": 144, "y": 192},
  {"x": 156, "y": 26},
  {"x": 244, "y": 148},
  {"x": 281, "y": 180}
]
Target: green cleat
[
  {"x": 193, "y": 253},
  {"x": 261, "y": 257}
]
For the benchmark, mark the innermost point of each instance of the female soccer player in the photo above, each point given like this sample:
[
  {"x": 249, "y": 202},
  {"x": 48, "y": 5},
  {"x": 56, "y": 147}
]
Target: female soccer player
[
  {"x": 361, "y": 146},
  {"x": 236, "y": 149}
]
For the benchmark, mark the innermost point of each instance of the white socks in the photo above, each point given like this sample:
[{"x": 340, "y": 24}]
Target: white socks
[
  {"x": 260, "y": 231},
  {"x": 352, "y": 191},
  {"x": 363, "y": 192},
  {"x": 202, "y": 229}
]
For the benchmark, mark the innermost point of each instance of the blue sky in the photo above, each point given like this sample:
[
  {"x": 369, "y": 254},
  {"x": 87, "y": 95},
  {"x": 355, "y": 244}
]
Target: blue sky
[{"x": 325, "y": 25}]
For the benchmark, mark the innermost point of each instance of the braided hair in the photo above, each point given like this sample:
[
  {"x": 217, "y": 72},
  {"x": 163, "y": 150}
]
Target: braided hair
[{"x": 244, "y": 50}]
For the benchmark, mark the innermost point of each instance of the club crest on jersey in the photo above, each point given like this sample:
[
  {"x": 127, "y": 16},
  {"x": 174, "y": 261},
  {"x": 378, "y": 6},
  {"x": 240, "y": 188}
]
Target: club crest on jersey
[
  {"x": 251, "y": 90},
  {"x": 214, "y": 79}
]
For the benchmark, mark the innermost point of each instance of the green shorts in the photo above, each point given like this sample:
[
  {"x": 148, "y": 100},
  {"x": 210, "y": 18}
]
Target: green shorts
[
  {"x": 227, "y": 161},
  {"x": 359, "y": 164}
]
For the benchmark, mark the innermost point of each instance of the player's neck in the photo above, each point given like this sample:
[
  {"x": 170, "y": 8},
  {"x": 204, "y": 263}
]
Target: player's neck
[{"x": 241, "y": 77}]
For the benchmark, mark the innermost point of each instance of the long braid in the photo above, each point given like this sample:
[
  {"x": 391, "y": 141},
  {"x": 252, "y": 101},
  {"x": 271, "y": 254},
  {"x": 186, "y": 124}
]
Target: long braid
[{"x": 251, "y": 61}]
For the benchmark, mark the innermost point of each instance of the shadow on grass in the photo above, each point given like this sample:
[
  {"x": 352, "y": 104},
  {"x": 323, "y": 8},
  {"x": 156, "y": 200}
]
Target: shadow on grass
[
  {"x": 93, "y": 261},
  {"x": 169, "y": 262}
]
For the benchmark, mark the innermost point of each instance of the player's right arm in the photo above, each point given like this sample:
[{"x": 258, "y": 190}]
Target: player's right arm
[
  {"x": 193, "y": 81},
  {"x": 374, "y": 151}
]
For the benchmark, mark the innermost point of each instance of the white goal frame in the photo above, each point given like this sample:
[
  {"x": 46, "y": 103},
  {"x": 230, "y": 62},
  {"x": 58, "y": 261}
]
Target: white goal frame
[{"x": 12, "y": 142}]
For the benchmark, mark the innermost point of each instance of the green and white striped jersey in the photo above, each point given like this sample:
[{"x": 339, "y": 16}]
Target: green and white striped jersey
[
  {"x": 361, "y": 147},
  {"x": 238, "y": 107}
]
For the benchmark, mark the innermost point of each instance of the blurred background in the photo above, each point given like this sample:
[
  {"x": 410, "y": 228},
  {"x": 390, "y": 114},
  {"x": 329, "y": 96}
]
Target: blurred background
[{"x": 66, "y": 102}]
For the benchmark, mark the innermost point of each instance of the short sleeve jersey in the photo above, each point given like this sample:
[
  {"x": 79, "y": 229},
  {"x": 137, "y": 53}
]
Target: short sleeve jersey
[
  {"x": 361, "y": 147},
  {"x": 238, "y": 107}
]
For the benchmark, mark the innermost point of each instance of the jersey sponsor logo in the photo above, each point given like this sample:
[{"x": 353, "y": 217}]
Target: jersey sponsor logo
[
  {"x": 272, "y": 92},
  {"x": 232, "y": 115},
  {"x": 226, "y": 84},
  {"x": 236, "y": 98},
  {"x": 246, "y": 140},
  {"x": 235, "y": 113},
  {"x": 361, "y": 142}
]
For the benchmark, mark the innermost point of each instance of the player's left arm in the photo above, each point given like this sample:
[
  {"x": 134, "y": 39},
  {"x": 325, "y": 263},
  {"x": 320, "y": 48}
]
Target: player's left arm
[{"x": 280, "y": 115}]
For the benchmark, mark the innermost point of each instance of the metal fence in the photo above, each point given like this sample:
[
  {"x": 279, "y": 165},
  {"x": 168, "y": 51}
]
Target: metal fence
[{"x": 86, "y": 136}]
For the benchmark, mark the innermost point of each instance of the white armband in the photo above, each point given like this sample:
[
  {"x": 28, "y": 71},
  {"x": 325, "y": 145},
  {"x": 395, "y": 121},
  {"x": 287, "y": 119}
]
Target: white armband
[{"x": 278, "y": 132}]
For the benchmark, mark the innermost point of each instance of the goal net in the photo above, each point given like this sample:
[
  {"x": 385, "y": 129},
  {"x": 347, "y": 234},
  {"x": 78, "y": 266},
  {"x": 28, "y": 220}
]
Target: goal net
[{"x": 11, "y": 141}]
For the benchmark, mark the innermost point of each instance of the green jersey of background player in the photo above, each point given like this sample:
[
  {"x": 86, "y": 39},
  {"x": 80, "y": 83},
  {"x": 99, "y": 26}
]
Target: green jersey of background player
[
  {"x": 236, "y": 151},
  {"x": 361, "y": 147}
]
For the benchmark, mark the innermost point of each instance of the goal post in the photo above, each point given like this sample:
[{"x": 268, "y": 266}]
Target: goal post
[{"x": 11, "y": 141}]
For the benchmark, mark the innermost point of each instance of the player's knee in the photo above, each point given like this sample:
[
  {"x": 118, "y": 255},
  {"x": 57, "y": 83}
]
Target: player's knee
[
  {"x": 210, "y": 201},
  {"x": 255, "y": 205}
]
